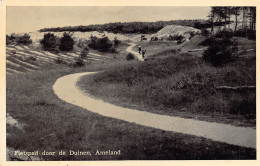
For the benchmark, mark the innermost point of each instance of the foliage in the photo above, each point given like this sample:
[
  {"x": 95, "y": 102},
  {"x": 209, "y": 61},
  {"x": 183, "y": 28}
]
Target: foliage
[
  {"x": 18, "y": 39},
  {"x": 101, "y": 44},
  {"x": 60, "y": 61},
  {"x": 66, "y": 42},
  {"x": 126, "y": 27},
  {"x": 49, "y": 42},
  {"x": 219, "y": 51},
  {"x": 116, "y": 41},
  {"x": 130, "y": 56},
  {"x": 154, "y": 38}
]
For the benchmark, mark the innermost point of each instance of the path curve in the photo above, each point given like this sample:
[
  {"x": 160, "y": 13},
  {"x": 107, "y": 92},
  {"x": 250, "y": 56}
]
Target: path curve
[
  {"x": 65, "y": 88},
  {"x": 130, "y": 49}
]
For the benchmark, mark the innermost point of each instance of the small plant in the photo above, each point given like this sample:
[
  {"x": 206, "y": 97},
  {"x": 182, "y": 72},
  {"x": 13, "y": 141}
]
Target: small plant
[
  {"x": 84, "y": 53},
  {"x": 59, "y": 60},
  {"x": 154, "y": 38},
  {"x": 192, "y": 34},
  {"x": 31, "y": 58},
  {"x": 130, "y": 56},
  {"x": 116, "y": 41}
]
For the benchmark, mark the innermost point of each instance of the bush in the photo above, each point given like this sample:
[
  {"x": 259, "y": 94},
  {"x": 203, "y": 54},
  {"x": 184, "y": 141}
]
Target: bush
[
  {"x": 101, "y": 44},
  {"x": 192, "y": 34},
  {"x": 18, "y": 39},
  {"x": 10, "y": 39},
  {"x": 105, "y": 44},
  {"x": 84, "y": 53},
  {"x": 224, "y": 34},
  {"x": 219, "y": 52},
  {"x": 251, "y": 34},
  {"x": 60, "y": 61},
  {"x": 154, "y": 38},
  {"x": 24, "y": 40},
  {"x": 49, "y": 42},
  {"x": 66, "y": 42},
  {"x": 79, "y": 62},
  {"x": 205, "y": 32},
  {"x": 130, "y": 56},
  {"x": 31, "y": 58},
  {"x": 116, "y": 41}
]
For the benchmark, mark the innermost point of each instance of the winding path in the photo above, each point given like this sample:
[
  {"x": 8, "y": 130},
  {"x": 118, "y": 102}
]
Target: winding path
[{"x": 65, "y": 88}]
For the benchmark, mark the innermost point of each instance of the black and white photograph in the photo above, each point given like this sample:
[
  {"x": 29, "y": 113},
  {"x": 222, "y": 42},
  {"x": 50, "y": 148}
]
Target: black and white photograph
[{"x": 120, "y": 83}]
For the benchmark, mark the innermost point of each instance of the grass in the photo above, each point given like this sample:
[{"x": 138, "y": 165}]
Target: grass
[
  {"x": 51, "y": 124},
  {"x": 158, "y": 49},
  {"x": 30, "y": 100},
  {"x": 181, "y": 85}
]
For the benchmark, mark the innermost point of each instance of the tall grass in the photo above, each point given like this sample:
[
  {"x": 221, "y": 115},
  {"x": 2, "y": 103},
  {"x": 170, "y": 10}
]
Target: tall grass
[
  {"x": 181, "y": 85},
  {"x": 53, "y": 125}
]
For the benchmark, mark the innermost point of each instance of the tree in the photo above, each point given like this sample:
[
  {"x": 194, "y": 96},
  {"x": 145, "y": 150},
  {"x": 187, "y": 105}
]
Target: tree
[
  {"x": 49, "y": 41},
  {"x": 66, "y": 42},
  {"x": 236, "y": 12}
]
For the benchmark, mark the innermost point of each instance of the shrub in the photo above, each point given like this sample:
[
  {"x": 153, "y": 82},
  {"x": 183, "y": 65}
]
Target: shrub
[
  {"x": 82, "y": 43},
  {"x": 84, "y": 53},
  {"x": 220, "y": 51},
  {"x": 79, "y": 62},
  {"x": 192, "y": 34},
  {"x": 250, "y": 34},
  {"x": 116, "y": 41},
  {"x": 130, "y": 56},
  {"x": 24, "y": 40},
  {"x": 66, "y": 42},
  {"x": 49, "y": 42},
  {"x": 18, "y": 39},
  {"x": 31, "y": 58},
  {"x": 243, "y": 107},
  {"x": 101, "y": 44},
  {"x": 60, "y": 61},
  {"x": 205, "y": 32},
  {"x": 10, "y": 39},
  {"x": 154, "y": 38},
  {"x": 105, "y": 44},
  {"x": 224, "y": 34}
]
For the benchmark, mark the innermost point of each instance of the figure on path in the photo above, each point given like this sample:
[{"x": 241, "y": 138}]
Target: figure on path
[
  {"x": 143, "y": 53},
  {"x": 139, "y": 48}
]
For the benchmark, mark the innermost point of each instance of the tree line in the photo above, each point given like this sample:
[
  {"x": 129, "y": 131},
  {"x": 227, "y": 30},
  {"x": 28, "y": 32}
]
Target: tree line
[
  {"x": 127, "y": 27},
  {"x": 224, "y": 14}
]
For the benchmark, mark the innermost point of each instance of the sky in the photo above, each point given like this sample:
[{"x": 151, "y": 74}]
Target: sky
[{"x": 21, "y": 19}]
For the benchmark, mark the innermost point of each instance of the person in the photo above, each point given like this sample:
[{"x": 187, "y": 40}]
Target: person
[
  {"x": 139, "y": 48},
  {"x": 143, "y": 53}
]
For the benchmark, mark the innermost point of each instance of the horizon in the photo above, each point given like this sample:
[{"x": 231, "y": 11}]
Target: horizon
[{"x": 23, "y": 19}]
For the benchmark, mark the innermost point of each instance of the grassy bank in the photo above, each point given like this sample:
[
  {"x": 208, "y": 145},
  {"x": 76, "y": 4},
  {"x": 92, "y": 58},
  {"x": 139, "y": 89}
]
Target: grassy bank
[
  {"x": 53, "y": 125},
  {"x": 182, "y": 85}
]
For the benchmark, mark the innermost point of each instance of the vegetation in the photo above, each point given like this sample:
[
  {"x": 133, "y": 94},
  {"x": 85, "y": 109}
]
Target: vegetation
[
  {"x": 101, "y": 44},
  {"x": 18, "y": 39},
  {"x": 126, "y": 27},
  {"x": 66, "y": 42},
  {"x": 224, "y": 14},
  {"x": 182, "y": 85},
  {"x": 130, "y": 57},
  {"x": 62, "y": 126},
  {"x": 221, "y": 49},
  {"x": 49, "y": 42}
]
